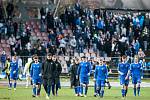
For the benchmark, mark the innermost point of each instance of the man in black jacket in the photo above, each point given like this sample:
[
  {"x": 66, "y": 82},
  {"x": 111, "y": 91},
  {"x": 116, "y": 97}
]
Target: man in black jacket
[
  {"x": 73, "y": 76},
  {"x": 56, "y": 85},
  {"x": 10, "y": 9},
  {"x": 48, "y": 74},
  {"x": 50, "y": 21}
]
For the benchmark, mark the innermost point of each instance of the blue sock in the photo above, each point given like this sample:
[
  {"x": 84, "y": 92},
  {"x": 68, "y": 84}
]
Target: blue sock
[
  {"x": 138, "y": 91},
  {"x": 34, "y": 91},
  {"x": 10, "y": 85},
  {"x": 102, "y": 93},
  {"x": 95, "y": 91},
  {"x": 15, "y": 84},
  {"x": 134, "y": 91},
  {"x": 126, "y": 92},
  {"x": 48, "y": 90},
  {"x": 53, "y": 89},
  {"x": 76, "y": 90},
  {"x": 98, "y": 91},
  {"x": 81, "y": 89},
  {"x": 123, "y": 92},
  {"x": 57, "y": 87}
]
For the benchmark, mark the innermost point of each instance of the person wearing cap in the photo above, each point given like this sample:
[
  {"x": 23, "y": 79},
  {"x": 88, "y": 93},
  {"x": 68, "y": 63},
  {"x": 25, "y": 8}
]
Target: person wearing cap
[
  {"x": 48, "y": 74},
  {"x": 100, "y": 76},
  {"x": 56, "y": 83},
  {"x": 7, "y": 69},
  {"x": 84, "y": 72},
  {"x": 35, "y": 73},
  {"x": 14, "y": 71}
]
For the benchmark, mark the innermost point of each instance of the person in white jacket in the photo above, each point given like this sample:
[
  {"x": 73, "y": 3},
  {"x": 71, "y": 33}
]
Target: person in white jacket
[
  {"x": 26, "y": 71},
  {"x": 73, "y": 43}
]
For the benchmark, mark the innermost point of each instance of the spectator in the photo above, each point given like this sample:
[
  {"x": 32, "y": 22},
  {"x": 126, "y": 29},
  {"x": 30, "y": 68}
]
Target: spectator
[
  {"x": 73, "y": 43},
  {"x": 50, "y": 21},
  {"x": 147, "y": 21},
  {"x": 41, "y": 53},
  {"x": 81, "y": 45},
  {"x": 12, "y": 42},
  {"x": 1, "y": 13},
  {"x": 43, "y": 18},
  {"x": 15, "y": 27},
  {"x": 52, "y": 50},
  {"x": 10, "y": 9},
  {"x": 18, "y": 47},
  {"x": 3, "y": 59},
  {"x": 52, "y": 36},
  {"x": 13, "y": 51},
  {"x": 141, "y": 54},
  {"x": 43, "y": 14},
  {"x": 28, "y": 46},
  {"x": 144, "y": 64},
  {"x": 145, "y": 38},
  {"x": 62, "y": 46},
  {"x": 24, "y": 54},
  {"x": 24, "y": 39},
  {"x": 136, "y": 46},
  {"x": 104, "y": 32}
]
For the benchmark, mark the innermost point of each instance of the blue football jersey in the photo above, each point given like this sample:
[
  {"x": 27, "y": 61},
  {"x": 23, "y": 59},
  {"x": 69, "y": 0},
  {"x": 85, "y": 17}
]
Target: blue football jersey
[
  {"x": 35, "y": 70},
  {"x": 135, "y": 69},
  {"x": 101, "y": 72},
  {"x": 14, "y": 66},
  {"x": 83, "y": 69},
  {"x": 124, "y": 68}
]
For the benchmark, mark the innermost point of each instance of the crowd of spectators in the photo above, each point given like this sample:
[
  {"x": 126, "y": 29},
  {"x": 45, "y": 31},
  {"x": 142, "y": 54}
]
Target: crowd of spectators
[
  {"x": 80, "y": 30},
  {"x": 107, "y": 33}
]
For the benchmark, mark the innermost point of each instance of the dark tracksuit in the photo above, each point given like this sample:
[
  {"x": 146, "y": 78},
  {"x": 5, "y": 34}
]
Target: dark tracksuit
[
  {"x": 108, "y": 84},
  {"x": 74, "y": 80},
  {"x": 95, "y": 91},
  {"x": 56, "y": 81},
  {"x": 48, "y": 74}
]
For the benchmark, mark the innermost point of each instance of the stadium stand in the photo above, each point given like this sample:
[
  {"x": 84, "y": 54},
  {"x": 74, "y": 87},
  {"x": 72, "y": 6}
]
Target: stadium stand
[{"x": 100, "y": 32}]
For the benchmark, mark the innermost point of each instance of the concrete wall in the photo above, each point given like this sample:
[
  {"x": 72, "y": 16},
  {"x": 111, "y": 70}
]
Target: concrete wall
[{"x": 137, "y": 4}]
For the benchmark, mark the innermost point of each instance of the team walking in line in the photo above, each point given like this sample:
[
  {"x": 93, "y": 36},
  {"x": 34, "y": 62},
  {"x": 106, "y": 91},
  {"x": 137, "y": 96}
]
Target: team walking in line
[{"x": 47, "y": 73}]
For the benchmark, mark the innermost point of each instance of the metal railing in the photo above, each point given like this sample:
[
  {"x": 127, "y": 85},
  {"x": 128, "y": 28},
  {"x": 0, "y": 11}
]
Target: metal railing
[{"x": 111, "y": 61}]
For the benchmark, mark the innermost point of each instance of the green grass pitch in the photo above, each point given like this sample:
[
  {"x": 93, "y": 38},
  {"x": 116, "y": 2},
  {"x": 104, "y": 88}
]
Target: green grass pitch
[{"x": 68, "y": 94}]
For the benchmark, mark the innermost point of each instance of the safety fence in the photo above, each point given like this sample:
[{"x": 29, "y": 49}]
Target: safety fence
[{"x": 112, "y": 62}]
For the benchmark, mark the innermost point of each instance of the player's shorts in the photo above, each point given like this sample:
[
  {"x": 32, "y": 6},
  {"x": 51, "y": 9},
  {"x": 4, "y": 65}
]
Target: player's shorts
[
  {"x": 14, "y": 76},
  {"x": 84, "y": 80},
  {"x": 37, "y": 81},
  {"x": 136, "y": 79},
  {"x": 123, "y": 81},
  {"x": 100, "y": 83}
]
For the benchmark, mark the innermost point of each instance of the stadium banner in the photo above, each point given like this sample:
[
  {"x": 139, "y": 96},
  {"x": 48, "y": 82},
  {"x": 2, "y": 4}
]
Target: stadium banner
[{"x": 124, "y": 4}]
